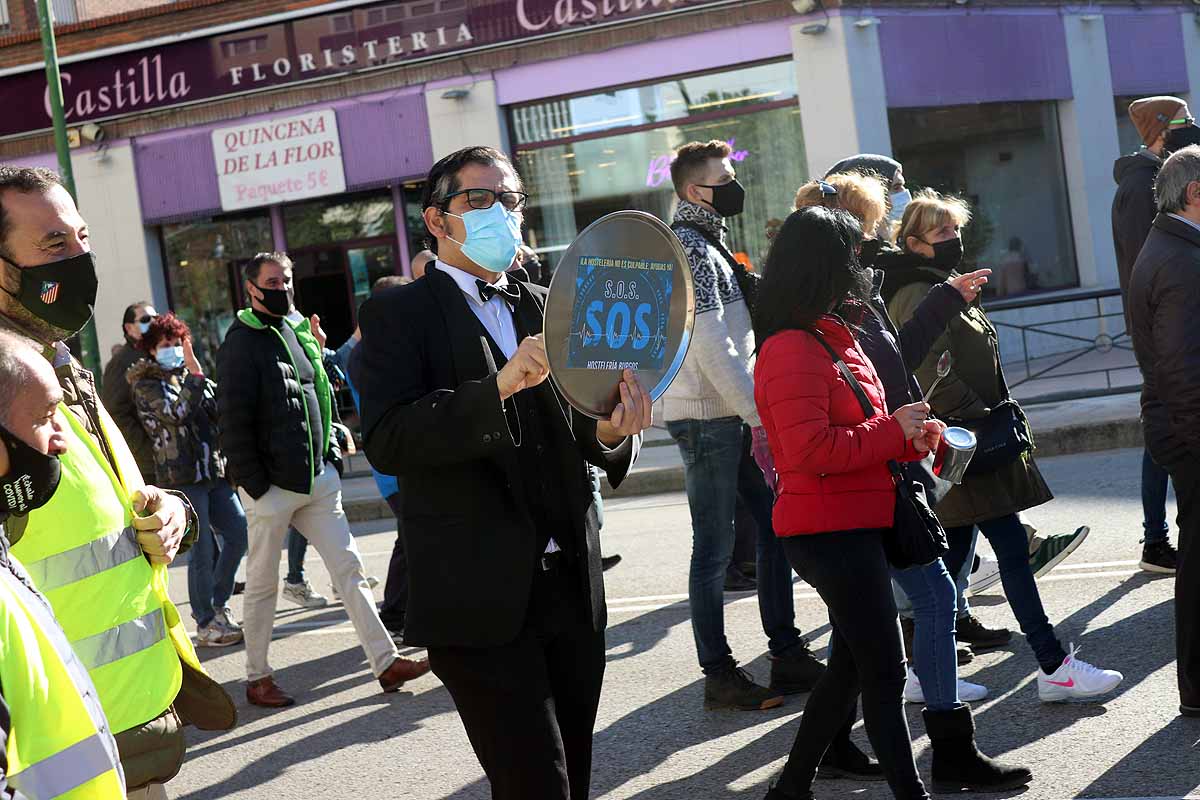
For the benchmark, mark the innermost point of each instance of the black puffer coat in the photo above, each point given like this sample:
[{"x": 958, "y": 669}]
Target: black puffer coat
[{"x": 265, "y": 433}]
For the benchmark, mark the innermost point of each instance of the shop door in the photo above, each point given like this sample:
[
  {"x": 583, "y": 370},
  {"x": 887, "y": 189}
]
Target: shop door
[{"x": 332, "y": 281}]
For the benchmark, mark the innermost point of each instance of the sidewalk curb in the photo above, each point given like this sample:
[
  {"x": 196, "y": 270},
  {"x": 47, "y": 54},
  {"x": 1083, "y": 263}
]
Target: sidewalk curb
[{"x": 1065, "y": 440}]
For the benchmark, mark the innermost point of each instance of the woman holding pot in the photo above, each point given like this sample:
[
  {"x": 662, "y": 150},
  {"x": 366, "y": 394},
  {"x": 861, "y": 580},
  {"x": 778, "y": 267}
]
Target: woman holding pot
[
  {"x": 931, "y": 239},
  {"x": 957, "y": 763},
  {"x": 836, "y": 499}
]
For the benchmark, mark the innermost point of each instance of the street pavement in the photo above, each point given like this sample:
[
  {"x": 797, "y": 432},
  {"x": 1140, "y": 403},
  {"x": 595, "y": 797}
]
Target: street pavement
[{"x": 654, "y": 741}]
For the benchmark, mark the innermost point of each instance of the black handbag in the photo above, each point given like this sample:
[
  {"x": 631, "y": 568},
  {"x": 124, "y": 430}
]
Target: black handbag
[
  {"x": 1002, "y": 436},
  {"x": 917, "y": 537}
]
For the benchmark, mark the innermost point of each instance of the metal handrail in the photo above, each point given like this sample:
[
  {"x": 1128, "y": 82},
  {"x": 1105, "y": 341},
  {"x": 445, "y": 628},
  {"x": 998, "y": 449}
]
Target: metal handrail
[{"x": 1049, "y": 367}]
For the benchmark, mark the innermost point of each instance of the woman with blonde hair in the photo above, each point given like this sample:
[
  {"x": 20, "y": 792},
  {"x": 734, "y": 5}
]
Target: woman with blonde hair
[
  {"x": 975, "y": 395},
  {"x": 895, "y": 353}
]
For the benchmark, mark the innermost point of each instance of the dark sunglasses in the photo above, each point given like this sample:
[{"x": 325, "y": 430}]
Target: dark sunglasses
[
  {"x": 486, "y": 198},
  {"x": 146, "y": 319}
]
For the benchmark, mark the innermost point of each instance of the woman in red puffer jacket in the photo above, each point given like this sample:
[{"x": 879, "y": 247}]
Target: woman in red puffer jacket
[{"x": 835, "y": 492}]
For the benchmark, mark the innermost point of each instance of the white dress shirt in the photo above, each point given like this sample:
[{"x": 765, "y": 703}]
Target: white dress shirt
[
  {"x": 497, "y": 319},
  {"x": 495, "y": 314}
]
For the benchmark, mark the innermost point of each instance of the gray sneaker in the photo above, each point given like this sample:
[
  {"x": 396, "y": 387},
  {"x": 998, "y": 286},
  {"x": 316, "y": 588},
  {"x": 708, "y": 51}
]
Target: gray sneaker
[
  {"x": 224, "y": 617},
  {"x": 214, "y": 634},
  {"x": 303, "y": 595}
]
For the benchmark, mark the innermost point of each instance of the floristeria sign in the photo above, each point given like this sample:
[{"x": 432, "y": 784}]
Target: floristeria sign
[
  {"x": 279, "y": 160},
  {"x": 369, "y": 36}
]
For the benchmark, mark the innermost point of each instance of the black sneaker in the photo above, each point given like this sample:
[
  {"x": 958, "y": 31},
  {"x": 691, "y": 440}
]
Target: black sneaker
[
  {"x": 733, "y": 687},
  {"x": 964, "y": 654},
  {"x": 796, "y": 671},
  {"x": 735, "y": 581},
  {"x": 1159, "y": 557},
  {"x": 973, "y": 632},
  {"x": 845, "y": 760}
]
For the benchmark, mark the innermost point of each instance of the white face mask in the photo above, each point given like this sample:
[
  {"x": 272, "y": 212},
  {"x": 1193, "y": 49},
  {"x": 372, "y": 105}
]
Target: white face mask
[{"x": 900, "y": 201}]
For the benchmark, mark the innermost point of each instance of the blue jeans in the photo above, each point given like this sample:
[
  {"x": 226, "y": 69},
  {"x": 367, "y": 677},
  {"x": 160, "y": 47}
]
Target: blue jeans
[
  {"x": 962, "y": 582},
  {"x": 934, "y": 656},
  {"x": 1011, "y": 546},
  {"x": 297, "y": 547},
  {"x": 211, "y": 571},
  {"x": 1154, "y": 500},
  {"x": 713, "y": 452}
]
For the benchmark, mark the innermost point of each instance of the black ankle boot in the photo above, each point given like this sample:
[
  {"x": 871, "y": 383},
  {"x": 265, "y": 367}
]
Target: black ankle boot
[
  {"x": 843, "y": 759},
  {"x": 957, "y": 763}
]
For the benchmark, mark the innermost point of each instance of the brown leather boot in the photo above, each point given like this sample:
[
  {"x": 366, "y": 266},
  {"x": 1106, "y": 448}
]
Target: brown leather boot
[
  {"x": 266, "y": 693},
  {"x": 401, "y": 670}
]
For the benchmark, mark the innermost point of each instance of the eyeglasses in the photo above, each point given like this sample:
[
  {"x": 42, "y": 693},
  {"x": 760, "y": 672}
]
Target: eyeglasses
[
  {"x": 486, "y": 198},
  {"x": 829, "y": 194}
]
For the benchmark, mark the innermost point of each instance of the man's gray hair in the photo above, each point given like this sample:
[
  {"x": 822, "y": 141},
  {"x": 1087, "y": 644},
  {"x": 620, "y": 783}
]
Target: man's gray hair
[
  {"x": 1177, "y": 173},
  {"x": 15, "y": 370}
]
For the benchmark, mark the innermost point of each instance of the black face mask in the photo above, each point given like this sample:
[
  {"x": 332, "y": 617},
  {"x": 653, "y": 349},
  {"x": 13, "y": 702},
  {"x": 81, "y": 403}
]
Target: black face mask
[
  {"x": 61, "y": 293},
  {"x": 31, "y": 480},
  {"x": 728, "y": 198},
  {"x": 948, "y": 255},
  {"x": 1179, "y": 138},
  {"x": 275, "y": 301}
]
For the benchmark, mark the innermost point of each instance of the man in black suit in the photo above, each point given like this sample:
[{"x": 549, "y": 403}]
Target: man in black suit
[
  {"x": 1166, "y": 338},
  {"x": 499, "y": 519}
]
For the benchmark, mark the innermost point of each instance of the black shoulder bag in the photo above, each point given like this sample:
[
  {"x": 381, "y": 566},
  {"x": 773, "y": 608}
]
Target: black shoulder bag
[
  {"x": 1002, "y": 436},
  {"x": 747, "y": 281},
  {"x": 917, "y": 537}
]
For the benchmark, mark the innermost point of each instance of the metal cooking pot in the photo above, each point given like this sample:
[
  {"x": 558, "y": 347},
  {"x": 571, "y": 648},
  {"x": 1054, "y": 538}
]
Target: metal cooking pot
[{"x": 954, "y": 454}]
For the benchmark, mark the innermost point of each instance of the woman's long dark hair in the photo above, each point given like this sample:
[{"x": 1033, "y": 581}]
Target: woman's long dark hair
[{"x": 811, "y": 269}]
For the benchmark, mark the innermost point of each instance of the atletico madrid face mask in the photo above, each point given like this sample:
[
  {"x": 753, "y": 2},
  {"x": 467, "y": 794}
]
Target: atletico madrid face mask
[{"x": 61, "y": 293}]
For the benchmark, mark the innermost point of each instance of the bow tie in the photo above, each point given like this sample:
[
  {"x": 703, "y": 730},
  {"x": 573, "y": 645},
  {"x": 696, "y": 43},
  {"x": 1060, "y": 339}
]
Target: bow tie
[{"x": 509, "y": 291}]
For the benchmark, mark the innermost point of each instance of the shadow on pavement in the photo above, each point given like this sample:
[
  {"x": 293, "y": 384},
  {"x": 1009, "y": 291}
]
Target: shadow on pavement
[
  {"x": 392, "y": 717},
  {"x": 1164, "y": 763}
]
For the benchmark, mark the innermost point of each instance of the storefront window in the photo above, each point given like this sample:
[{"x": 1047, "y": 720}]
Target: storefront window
[
  {"x": 204, "y": 261},
  {"x": 414, "y": 219},
  {"x": 574, "y": 182},
  {"x": 1006, "y": 160},
  {"x": 355, "y": 217}
]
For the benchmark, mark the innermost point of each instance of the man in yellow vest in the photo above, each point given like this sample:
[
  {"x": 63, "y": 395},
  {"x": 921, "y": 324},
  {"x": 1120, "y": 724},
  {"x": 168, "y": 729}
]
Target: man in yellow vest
[
  {"x": 98, "y": 549},
  {"x": 55, "y": 741}
]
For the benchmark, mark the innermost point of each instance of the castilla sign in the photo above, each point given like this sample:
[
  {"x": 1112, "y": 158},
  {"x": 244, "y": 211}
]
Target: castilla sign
[
  {"x": 279, "y": 160},
  {"x": 370, "y": 36}
]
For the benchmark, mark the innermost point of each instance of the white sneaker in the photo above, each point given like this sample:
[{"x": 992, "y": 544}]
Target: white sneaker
[
  {"x": 984, "y": 576},
  {"x": 1076, "y": 679},
  {"x": 302, "y": 594},
  {"x": 372, "y": 581},
  {"x": 967, "y": 692}
]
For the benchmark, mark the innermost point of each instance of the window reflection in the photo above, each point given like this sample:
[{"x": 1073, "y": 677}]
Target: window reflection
[{"x": 1006, "y": 160}]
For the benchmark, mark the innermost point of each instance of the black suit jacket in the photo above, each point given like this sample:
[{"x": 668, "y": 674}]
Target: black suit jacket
[
  {"x": 432, "y": 415},
  {"x": 1164, "y": 300}
]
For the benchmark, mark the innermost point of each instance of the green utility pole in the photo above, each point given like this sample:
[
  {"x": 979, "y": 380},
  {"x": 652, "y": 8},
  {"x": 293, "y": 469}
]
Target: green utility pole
[{"x": 87, "y": 337}]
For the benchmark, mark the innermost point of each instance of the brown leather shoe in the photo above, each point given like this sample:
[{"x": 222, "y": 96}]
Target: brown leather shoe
[
  {"x": 401, "y": 670},
  {"x": 266, "y": 693}
]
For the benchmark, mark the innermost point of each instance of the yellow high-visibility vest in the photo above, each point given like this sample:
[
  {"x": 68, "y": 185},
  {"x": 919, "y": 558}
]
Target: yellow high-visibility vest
[
  {"x": 59, "y": 745},
  {"x": 82, "y": 553}
]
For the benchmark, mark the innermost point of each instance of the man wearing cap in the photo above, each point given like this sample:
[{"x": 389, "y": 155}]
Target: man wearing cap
[{"x": 1165, "y": 126}]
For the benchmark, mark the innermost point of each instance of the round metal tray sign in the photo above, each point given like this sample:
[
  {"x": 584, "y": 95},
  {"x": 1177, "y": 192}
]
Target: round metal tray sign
[{"x": 621, "y": 298}]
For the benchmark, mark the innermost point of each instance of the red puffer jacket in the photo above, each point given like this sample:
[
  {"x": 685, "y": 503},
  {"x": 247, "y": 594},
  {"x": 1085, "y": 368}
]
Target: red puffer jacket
[{"x": 832, "y": 465}]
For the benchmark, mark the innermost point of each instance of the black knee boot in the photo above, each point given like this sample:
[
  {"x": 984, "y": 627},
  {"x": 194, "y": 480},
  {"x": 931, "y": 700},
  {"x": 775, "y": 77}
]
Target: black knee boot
[{"x": 957, "y": 763}]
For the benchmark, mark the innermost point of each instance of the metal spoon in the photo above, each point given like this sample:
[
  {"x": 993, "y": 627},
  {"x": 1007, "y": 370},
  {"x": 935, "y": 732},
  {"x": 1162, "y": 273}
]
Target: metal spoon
[{"x": 943, "y": 369}]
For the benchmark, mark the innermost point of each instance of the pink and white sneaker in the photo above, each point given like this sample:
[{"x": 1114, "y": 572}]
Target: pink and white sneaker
[{"x": 1076, "y": 680}]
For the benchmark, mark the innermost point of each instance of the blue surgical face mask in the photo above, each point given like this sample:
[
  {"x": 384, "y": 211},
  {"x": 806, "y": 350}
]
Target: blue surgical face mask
[
  {"x": 143, "y": 327},
  {"x": 900, "y": 201},
  {"x": 169, "y": 357},
  {"x": 493, "y": 236}
]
